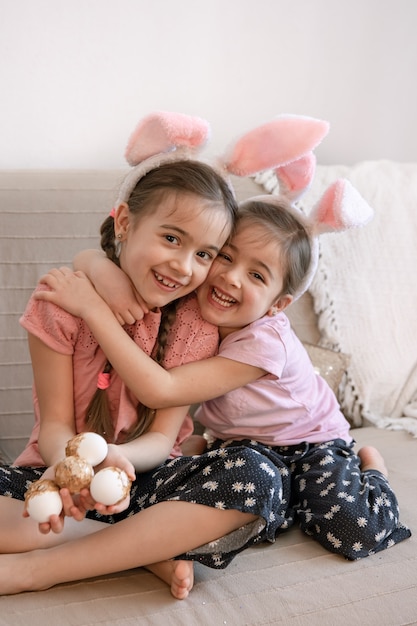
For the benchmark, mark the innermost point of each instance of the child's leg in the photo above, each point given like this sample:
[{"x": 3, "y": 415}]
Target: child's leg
[
  {"x": 18, "y": 534},
  {"x": 156, "y": 534},
  {"x": 349, "y": 509},
  {"x": 21, "y": 534}
]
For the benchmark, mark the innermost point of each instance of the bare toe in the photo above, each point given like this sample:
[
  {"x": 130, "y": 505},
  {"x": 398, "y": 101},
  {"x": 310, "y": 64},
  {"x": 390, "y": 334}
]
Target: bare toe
[
  {"x": 179, "y": 575},
  {"x": 371, "y": 458},
  {"x": 182, "y": 579}
]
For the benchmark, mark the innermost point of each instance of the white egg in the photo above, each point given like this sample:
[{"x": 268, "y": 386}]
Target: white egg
[
  {"x": 110, "y": 485},
  {"x": 89, "y": 446},
  {"x": 43, "y": 500}
]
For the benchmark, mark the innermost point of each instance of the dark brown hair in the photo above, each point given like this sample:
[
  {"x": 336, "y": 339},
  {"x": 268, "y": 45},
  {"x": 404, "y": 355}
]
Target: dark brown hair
[
  {"x": 282, "y": 226},
  {"x": 183, "y": 176}
]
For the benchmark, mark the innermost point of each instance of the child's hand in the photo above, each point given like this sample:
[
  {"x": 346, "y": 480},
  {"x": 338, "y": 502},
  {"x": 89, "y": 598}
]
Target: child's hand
[
  {"x": 114, "y": 458},
  {"x": 70, "y": 290},
  {"x": 72, "y": 506},
  {"x": 89, "y": 503},
  {"x": 113, "y": 285},
  {"x": 55, "y": 525},
  {"x": 123, "y": 300}
]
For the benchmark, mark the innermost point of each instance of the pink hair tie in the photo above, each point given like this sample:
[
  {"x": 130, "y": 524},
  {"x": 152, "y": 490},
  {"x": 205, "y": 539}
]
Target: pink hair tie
[
  {"x": 113, "y": 212},
  {"x": 103, "y": 380}
]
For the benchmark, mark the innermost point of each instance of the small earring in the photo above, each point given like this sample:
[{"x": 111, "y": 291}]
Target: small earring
[{"x": 118, "y": 244}]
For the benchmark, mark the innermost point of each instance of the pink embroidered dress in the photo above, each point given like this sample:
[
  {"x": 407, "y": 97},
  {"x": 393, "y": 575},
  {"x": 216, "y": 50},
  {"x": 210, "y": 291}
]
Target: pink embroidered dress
[{"x": 190, "y": 339}]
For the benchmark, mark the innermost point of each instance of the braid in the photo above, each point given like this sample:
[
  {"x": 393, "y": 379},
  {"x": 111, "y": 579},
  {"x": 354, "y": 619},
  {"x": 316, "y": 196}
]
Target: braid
[
  {"x": 169, "y": 313},
  {"x": 144, "y": 413},
  {"x": 107, "y": 239},
  {"x": 98, "y": 416}
]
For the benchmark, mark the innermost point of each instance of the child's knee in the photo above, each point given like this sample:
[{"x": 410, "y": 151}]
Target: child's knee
[{"x": 345, "y": 531}]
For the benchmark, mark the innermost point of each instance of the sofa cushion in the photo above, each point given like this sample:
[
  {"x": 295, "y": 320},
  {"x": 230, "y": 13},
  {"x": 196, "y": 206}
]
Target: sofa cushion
[{"x": 329, "y": 364}]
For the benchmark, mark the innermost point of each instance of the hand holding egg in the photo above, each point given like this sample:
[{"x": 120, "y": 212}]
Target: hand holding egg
[
  {"x": 83, "y": 451},
  {"x": 75, "y": 472},
  {"x": 43, "y": 500},
  {"x": 110, "y": 486}
]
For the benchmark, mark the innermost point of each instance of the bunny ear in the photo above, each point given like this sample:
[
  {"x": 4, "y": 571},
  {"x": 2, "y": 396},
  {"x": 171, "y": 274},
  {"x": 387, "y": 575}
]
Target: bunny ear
[
  {"x": 285, "y": 139},
  {"x": 161, "y": 138},
  {"x": 340, "y": 207},
  {"x": 295, "y": 178},
  {"x": 162, "y": 132}
]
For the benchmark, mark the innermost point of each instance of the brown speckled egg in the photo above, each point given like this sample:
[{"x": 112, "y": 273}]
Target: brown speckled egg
[
  {"x": 90, "y": 446},
  {"x": 110, "y": 485},
  {"x": 74, "y": 473},
  {"x": 43, "y": 500}
]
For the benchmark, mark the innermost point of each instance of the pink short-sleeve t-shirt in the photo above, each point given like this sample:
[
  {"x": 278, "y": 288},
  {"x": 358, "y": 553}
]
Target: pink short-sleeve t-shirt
[
  {"x": 289, "y": 405},
  {"x": 190, "y": 339}
]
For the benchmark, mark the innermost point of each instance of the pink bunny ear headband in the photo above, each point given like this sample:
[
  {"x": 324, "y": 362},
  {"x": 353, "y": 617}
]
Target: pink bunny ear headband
[
  {"x": 161, "y": 137},
  {"x": 285, "y": 145}
]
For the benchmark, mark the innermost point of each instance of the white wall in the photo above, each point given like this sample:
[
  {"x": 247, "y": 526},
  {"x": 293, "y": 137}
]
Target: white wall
[{"x": 76, "y": 75}]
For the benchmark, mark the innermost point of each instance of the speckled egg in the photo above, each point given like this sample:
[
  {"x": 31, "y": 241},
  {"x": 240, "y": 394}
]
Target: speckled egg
[
  {"x": 43, "y": 500},
  {"x": 110, "y": 485},
  {"x": 74, "y": 473},
  {"x": 89, "y": 446}
]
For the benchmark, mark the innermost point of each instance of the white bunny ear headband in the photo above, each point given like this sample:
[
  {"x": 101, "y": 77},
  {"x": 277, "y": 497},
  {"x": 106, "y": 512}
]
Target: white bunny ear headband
[{"x": 285, "y": 145}]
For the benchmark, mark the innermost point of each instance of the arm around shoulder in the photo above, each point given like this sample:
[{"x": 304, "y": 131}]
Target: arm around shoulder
[
  {"x": 195, "y": 382},
  {"x": 112, "y": 284}
]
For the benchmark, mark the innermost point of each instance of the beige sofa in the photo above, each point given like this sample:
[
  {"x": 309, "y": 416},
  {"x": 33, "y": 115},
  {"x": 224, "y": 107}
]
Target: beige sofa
[{"x": 47, "y": 216}]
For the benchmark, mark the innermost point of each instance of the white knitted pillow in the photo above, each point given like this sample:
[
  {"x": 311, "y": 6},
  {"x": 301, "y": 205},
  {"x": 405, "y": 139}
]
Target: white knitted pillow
[{"x": 365, "y": 294}]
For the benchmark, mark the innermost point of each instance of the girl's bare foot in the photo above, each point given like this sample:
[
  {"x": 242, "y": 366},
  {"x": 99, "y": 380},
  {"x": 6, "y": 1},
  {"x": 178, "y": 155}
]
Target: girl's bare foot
[
  {"x": 195, "y": 444},
  {"x": 371, "y": 458},
  {"x": 179, "y": 575}
]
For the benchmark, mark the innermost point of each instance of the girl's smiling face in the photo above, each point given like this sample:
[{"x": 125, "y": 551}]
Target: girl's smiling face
[
  {"x": 245, "y": 281},
  {"x": 168, "y": 252}
]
